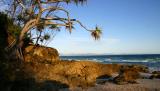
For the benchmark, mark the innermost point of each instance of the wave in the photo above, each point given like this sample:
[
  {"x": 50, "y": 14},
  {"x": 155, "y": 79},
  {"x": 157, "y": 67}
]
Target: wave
[
  {"x": 132, "y": 60},
  {"x": 155, "y": 60},
  {"x": 150, "y": 61}
]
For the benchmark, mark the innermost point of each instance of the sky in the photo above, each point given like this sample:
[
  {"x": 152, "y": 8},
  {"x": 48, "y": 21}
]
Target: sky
[{"x": 129, "y": 27}]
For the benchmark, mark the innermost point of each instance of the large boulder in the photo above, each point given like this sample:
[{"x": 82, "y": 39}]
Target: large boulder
[
  {"x": 40, "y": 54},
  {"x": 129, "y": 73}
]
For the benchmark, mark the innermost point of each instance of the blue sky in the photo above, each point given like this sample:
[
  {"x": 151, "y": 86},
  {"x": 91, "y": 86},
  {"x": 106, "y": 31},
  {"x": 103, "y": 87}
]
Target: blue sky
[{"x": 129, "y": 27}]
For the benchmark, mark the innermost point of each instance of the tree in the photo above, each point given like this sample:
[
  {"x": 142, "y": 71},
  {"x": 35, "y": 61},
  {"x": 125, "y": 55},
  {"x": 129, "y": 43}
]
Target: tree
[{"x": 40, "y": 15}]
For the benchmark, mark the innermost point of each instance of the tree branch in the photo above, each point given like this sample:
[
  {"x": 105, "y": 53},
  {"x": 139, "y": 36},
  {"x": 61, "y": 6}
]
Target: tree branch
[
  {"x": 30, "y": 24},
  {"x": 65, "y": 19},
  {"x": 52, "y": 1}
]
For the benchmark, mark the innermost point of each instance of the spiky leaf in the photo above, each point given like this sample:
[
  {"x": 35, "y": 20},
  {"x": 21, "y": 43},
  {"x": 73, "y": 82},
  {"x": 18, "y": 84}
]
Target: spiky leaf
[
  {"x": 96, "y": 34},
  {"x": 46, "y": 37}
]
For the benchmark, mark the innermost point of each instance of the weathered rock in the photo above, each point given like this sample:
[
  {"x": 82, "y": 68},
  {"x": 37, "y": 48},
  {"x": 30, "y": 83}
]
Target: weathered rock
[
  {"x": 40, "y": 54},
  {"x": 83, "y": 73},
  {"x": 155, "y": 74},
  {"x": 129, "y": 74},
  {"x": 73, "y": 73},
  {"x": 64, "y": 74},
  {"x": 139, "y": 68}
]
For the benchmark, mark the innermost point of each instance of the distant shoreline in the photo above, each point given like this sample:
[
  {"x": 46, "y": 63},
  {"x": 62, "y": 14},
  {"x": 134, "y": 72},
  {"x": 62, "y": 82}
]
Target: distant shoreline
[{"x": 109, "y": 55}]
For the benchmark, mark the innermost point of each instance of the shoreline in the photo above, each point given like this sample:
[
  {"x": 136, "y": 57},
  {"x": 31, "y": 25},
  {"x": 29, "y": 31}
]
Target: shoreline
[{"x": 142, "y": 85}]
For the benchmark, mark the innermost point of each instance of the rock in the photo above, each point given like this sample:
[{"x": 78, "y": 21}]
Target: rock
[
  {"x": 155, "y": 74},
  {"x": 72, "y": 73},
  {"x": 139, "y": 68},
  {"x": 40, "y": 54},
  {"x": 104, "y": 77},
  {"x": 129, "y": 74},
  {"x": 68, "y": 74}
]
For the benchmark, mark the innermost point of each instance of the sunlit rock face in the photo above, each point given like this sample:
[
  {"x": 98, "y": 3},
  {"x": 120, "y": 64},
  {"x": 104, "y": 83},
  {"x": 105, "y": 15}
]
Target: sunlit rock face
[
  {"x": 40, "y": 54},
  {"x": 66, "y": 74},
  {"x": 81, "y": 73},
  {"x": 72, "y": 73}
]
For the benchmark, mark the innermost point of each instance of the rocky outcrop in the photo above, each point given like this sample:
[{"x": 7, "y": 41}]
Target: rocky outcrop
[
  {"x": 72, "y": 73},
  {"x": 63, "y": 74},
  {"x": 129, "y": 74},
  {"x": 83, "y": 73},
  {"x": 40, "y": 54}
]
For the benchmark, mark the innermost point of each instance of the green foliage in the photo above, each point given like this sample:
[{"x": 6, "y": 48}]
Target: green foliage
[
  {"x": 14, "y": 30},
  {"x": 40, "y": 27},
  {"x": 46, "y": 37},
  {"x": 9, "y": 25},
  {"x": 53, "y": 26},
  {"x": 20, "y": 18},
  {"x": 9, "y": 28},
  {"x": 98, "y": 30},
  {"x": 27, "y": 40},
  {"x": 96, "y": 33}
]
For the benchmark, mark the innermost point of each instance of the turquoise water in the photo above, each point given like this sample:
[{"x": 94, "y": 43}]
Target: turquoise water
[{"x": 150, "y": 60}]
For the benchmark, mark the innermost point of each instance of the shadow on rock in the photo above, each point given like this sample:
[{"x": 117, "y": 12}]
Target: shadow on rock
[
  {"x": 52, "y": 86},
  {"x": 32, "y": 85}
]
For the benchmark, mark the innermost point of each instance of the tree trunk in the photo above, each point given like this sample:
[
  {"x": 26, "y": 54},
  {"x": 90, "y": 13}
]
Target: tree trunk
[{"x": 30, "y": 24}]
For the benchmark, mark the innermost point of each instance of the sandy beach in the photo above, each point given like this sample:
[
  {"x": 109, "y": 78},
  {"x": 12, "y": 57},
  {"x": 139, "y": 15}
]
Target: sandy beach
[{"x": 142, "y": 85}]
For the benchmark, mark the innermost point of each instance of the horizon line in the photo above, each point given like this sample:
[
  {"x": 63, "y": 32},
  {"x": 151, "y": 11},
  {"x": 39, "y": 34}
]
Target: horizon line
[{"x": 110, "y": 54}]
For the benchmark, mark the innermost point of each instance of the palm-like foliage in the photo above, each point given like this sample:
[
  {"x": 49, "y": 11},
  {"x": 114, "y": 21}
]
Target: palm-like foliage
[
  {"x": 54, "y": 27},
  {"x": 46, "y": 37},
  {"x": 76, "y": 1},
  {"x": 96, "y": 33}
]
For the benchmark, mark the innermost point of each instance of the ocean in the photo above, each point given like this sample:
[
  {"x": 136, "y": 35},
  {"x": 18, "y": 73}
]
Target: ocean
[{"x": 150, "y": 60}]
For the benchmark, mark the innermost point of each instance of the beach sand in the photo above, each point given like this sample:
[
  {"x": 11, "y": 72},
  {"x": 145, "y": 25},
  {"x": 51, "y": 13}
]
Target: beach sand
[{"x": 142, "y": 85}]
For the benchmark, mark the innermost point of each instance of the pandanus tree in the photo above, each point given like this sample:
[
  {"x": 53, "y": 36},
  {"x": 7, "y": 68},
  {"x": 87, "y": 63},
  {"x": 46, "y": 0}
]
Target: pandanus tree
[{"x": 42, "y": 14}]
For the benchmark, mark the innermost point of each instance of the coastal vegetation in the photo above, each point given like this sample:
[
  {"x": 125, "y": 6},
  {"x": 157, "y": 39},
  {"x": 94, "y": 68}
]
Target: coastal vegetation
[{"x": 41, "y": 15}]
